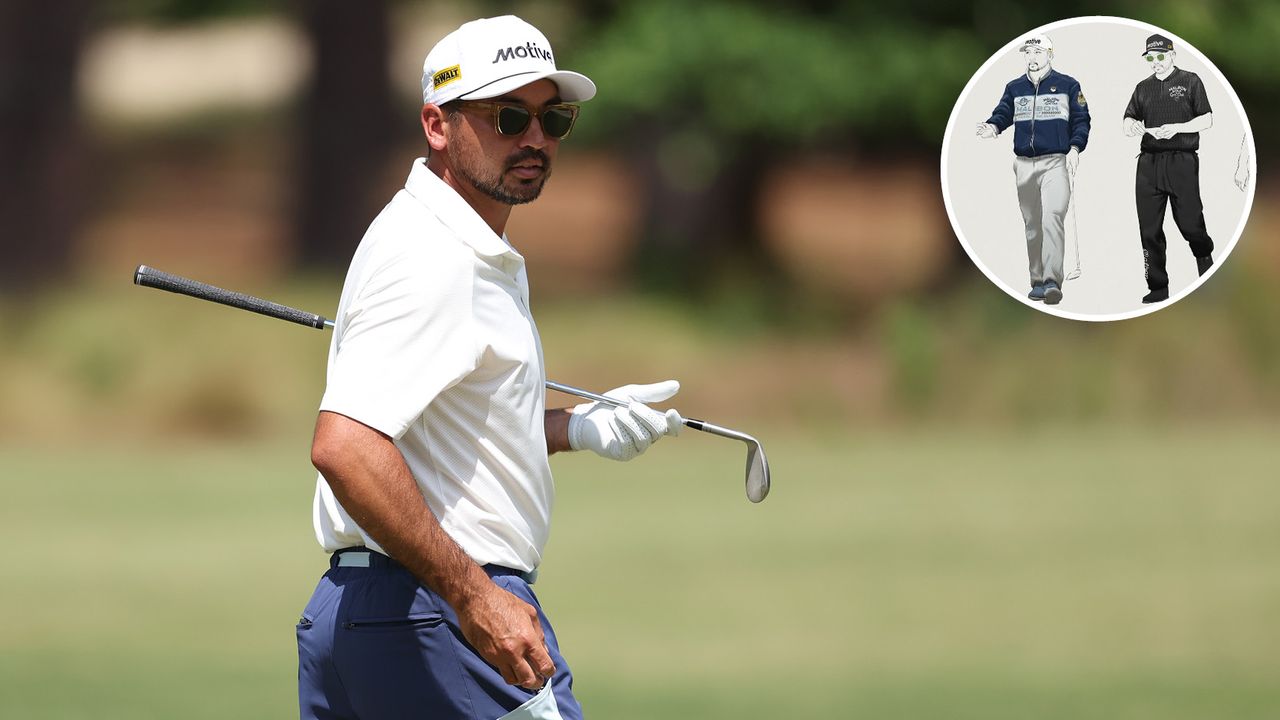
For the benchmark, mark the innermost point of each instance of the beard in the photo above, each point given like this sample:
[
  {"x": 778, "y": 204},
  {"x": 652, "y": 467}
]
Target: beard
[{"x": 495, "y": 185}]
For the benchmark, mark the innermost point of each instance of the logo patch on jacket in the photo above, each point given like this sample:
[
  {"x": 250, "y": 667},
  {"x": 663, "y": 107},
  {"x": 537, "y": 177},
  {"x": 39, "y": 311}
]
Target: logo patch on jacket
[
  {"x": 1080, "y": 99},
  {"x": 1044, "y": 107},
  {"x": 1177, "y": 92}
]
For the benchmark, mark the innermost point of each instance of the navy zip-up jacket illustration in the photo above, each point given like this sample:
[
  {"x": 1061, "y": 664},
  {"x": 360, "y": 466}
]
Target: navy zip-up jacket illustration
[{"x": 1048, "y": 118}]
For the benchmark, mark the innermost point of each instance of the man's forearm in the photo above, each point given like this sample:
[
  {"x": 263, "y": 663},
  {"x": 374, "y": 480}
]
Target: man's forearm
[
  {"x": 556, "y": 425},
  {"x": 1196, "y": 124},
  {"x": 369, "y": 477}
]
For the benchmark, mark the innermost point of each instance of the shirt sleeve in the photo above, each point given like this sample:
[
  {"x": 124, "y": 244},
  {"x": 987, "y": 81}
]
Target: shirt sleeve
[
  {"x": 1134, "y": 109},
  {"x": 1002, "y": 116},
  {"x": 407, "y": 336},
  {"x": 1079, "y": 118},
  {"x": 1199, "y": 98}
]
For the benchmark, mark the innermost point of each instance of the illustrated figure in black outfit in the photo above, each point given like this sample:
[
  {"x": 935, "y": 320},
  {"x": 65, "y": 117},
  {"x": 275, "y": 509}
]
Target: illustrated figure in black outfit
[{"x": 1171, "y": 109}]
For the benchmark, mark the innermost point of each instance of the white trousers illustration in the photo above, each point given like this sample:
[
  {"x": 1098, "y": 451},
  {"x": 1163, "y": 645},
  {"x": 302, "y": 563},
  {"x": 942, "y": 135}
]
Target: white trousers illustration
[{"x": 1044, "y": 192}]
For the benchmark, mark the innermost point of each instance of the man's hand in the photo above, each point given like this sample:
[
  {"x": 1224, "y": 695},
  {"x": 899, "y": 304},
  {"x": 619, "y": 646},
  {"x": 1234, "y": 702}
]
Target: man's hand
[
  {"x": 1132, "y": 126},
  {"x": 621, "y": 433},
  {"x": 505, "y": 631},
  {"x": 1242, "y": 172},
  {"x": 987, "y": 130},
  {"x": 1073, "y": 159},
  {"x": 1164, "y": 132}
]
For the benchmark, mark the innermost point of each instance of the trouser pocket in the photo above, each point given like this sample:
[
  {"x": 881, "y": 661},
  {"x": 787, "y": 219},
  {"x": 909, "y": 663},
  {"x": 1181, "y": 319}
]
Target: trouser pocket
[
  {"x": 391, "y": 624},
  {"x": 539, "y": 707}
]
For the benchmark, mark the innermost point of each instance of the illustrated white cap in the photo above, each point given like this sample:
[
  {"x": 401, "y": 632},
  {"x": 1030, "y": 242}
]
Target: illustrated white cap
[
  {"x": 1040, "y": 41},
  {"x": 491, "y": 57}
]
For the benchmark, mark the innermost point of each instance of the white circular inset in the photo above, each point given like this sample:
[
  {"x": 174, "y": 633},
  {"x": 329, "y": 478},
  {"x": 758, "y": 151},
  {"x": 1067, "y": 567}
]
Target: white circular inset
[{"x": 1106, "y": 56}]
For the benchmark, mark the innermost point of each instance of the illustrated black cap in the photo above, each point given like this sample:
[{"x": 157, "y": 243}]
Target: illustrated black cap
[{"x": 1158, "y": 43}]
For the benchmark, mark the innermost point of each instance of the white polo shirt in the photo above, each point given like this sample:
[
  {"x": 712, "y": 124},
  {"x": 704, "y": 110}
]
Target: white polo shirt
[{"x": 434, "y": 345}]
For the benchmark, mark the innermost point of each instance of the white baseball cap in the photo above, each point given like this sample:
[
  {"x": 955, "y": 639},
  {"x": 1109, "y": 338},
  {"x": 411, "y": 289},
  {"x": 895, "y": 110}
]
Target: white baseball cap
[
  {"x": 1040, "y": 41},
  {"x": 491, "y": 57}
]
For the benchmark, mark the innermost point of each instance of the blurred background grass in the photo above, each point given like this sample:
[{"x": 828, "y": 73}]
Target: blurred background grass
[{"x": 980, "y": 511}]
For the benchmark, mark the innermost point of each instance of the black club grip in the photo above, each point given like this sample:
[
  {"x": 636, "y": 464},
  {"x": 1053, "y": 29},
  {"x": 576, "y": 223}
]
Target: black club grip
[{"x": 150, "y": 277}]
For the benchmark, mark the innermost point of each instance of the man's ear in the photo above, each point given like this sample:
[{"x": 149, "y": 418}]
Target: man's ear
[{"x": 434, "y": 119}]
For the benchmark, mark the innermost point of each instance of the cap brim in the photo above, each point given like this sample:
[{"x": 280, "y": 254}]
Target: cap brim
[{"x": 574, "y": 87}]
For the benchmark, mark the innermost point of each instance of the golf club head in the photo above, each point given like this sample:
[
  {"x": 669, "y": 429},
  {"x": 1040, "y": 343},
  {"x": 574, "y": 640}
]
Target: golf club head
[
  {"x": 757, "y": 463},
  {"x": 757, "y": 473}
]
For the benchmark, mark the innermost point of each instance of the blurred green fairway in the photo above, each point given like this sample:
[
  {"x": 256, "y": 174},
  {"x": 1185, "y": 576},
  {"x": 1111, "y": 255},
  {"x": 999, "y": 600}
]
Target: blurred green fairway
[{"x": 935, "y": 575}]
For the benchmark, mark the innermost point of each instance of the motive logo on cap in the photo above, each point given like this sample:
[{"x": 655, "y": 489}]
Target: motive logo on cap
[
  {"x": 528, "y": 50},
  {"x": 446, "y": 76},
  {"x": 1158, "y": 43}
]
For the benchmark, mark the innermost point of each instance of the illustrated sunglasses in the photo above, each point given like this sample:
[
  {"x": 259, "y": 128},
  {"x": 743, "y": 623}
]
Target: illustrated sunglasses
[
  {"x": 1153, "y": 58},
  {"x": 514, "y": 118}
]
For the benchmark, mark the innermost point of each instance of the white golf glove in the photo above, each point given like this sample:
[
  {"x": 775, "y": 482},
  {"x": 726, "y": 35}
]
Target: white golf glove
[{"x": 621, "y": 433}]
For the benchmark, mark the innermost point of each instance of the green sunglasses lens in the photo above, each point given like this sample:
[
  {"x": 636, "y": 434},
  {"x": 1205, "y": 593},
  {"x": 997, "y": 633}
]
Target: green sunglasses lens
[
  {"x": 557, "y": 122},
  {"x": 1153, "y": 58}
]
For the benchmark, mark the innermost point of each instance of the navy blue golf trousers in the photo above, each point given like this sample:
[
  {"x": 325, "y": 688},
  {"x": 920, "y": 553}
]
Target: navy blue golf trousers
[{"x": 374, "y": 644}]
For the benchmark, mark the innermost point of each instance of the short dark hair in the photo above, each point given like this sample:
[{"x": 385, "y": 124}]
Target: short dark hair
[{"x": 452, "y": 108}]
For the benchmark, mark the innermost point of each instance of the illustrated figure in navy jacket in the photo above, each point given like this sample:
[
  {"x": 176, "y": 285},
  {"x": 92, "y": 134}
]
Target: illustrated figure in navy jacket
[{"x": 1050, "y": 129}]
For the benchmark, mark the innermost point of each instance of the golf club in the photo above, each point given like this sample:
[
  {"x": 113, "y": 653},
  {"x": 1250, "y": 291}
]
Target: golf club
[
  {"x": 1075, "y": 229},
  {"x": 757, "y": 473}
]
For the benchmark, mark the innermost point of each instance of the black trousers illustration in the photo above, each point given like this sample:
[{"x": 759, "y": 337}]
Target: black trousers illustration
[{"x": 1164, "y": 177}]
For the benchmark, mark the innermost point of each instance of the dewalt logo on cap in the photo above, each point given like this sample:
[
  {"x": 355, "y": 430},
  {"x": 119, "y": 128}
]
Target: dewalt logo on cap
[{"x": 446, "y": 76}]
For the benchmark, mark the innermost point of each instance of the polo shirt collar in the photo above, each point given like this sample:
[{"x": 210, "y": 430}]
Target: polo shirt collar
[{"x": 453, "y": 211}]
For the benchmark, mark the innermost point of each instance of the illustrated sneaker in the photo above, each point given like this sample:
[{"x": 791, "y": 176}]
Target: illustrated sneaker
[
  {"x": 1204, "y": 263},
  {"x": 1052, "y": 293},
  {"x": 1155, "y": 296},
  {"x": 1037, "y": 292}
]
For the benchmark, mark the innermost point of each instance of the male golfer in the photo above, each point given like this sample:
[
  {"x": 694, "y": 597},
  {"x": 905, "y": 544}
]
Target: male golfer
[
  {"x": 434, "y": 493},
  {"x": 1051, "y": 128},
  {"x": 1169, "y": 109}
]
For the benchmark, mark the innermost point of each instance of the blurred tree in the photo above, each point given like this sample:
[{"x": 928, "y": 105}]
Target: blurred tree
[
  {"x": 709, "y": 97},
  {"x": 41, "y": 143},
  {"x": 346, "y": 127},
  {"x": 346, "y": 115},
  {"x": 187, "y": 11}
]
